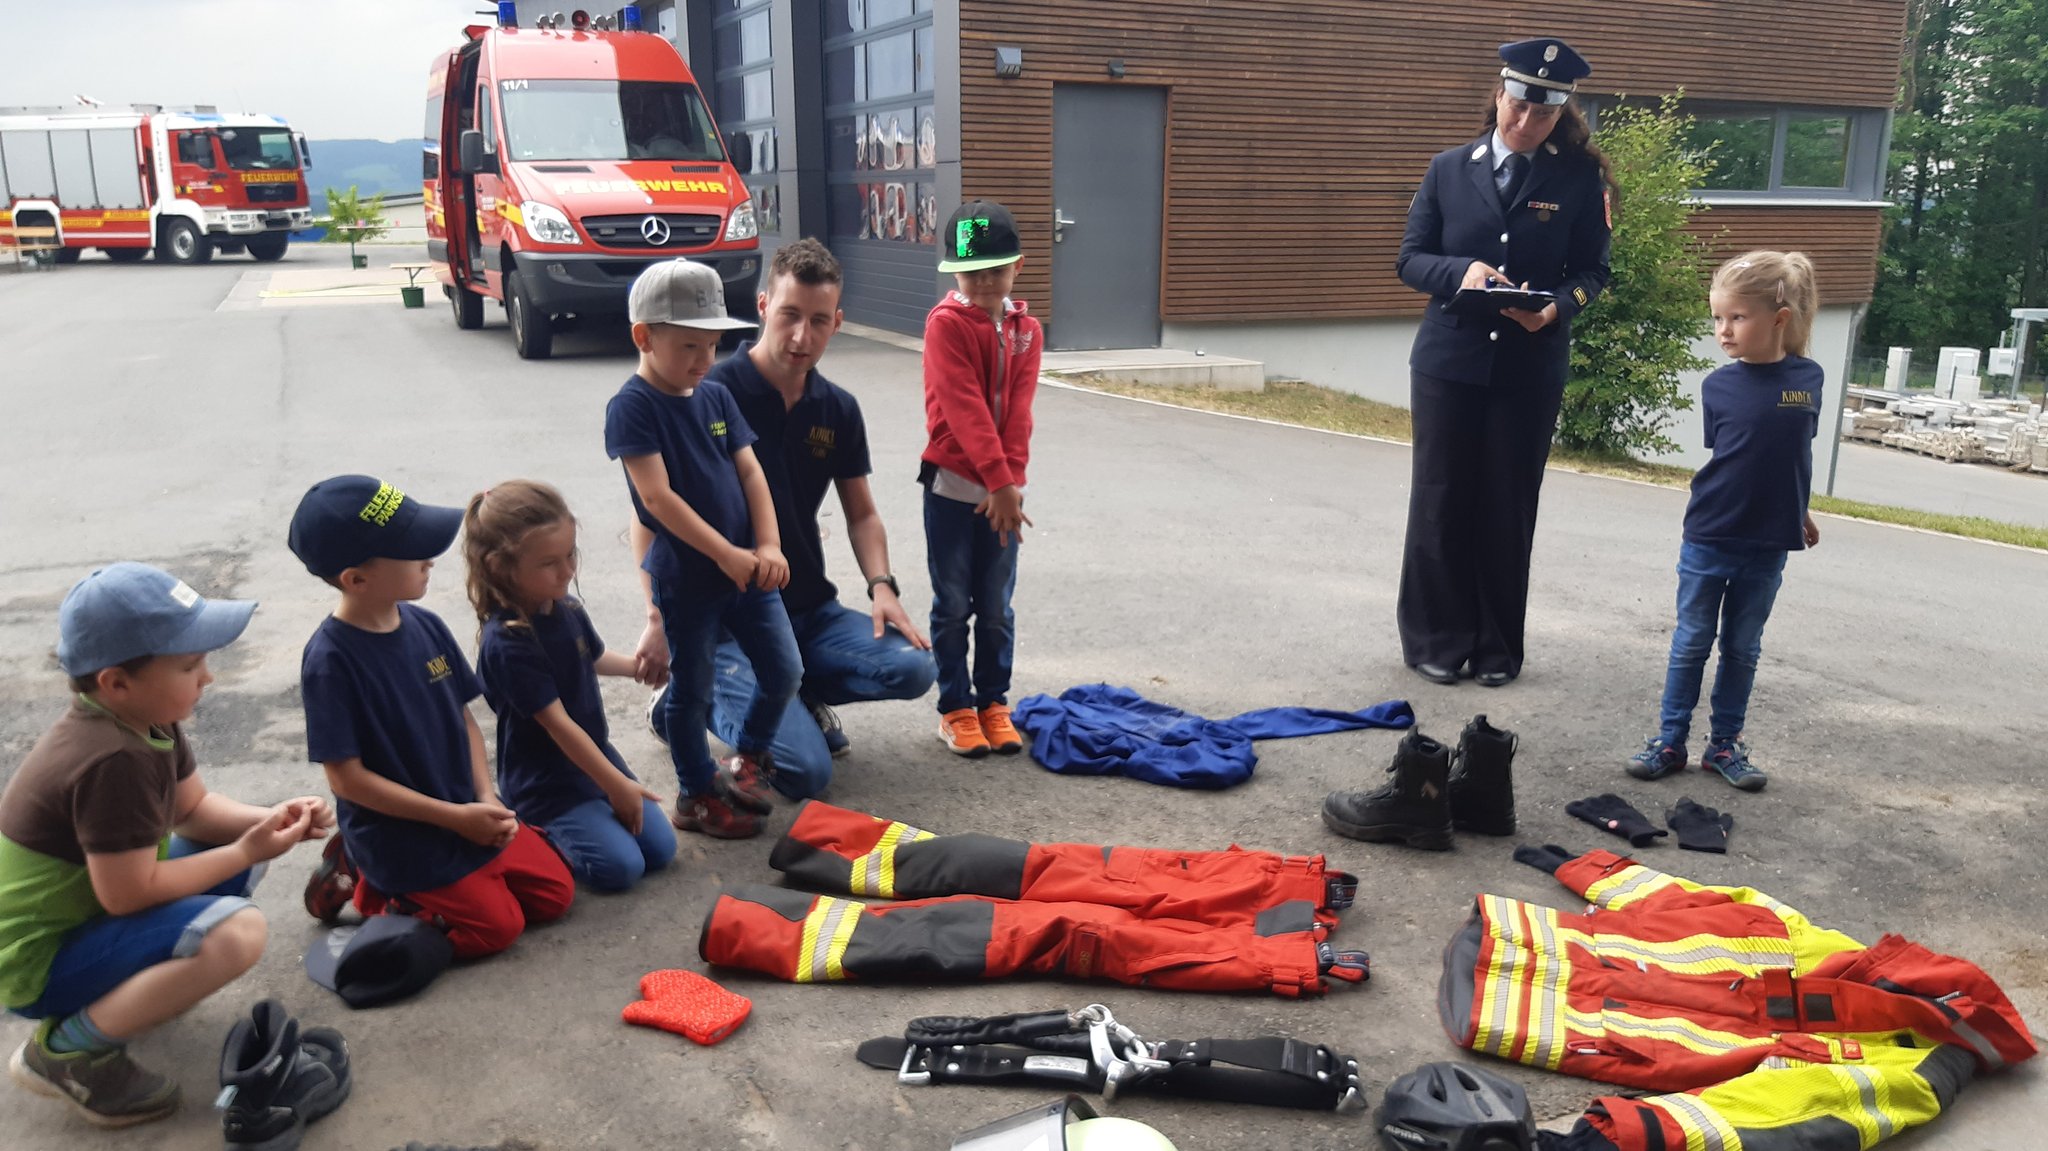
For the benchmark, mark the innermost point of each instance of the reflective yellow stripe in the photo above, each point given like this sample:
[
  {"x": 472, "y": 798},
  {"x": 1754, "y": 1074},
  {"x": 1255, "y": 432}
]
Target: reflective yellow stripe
[
  {"x": 1702, "y": 954},
  {"x": 1629, "y": 885},
  {"x": 1494, "y": 1019},
  {"x": 875, "y": 872},
  {"x": 1553, "y": 1026},
  {"x": 831, "y": 925},
  {"x": 1683, "y": 1032},
  {"x": 1704, "y": 1128}
]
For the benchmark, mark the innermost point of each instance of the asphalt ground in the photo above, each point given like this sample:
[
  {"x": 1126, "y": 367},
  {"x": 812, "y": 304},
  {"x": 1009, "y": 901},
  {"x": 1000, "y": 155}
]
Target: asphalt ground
[{"x": 174, "y": 415}]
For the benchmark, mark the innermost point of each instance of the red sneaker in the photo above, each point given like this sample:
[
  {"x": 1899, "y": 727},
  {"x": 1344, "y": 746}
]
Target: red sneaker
[
  {"x": 712, "y": 815},
  {"x": 333, "y": 883},
  {"x": 748, "y": 779}
]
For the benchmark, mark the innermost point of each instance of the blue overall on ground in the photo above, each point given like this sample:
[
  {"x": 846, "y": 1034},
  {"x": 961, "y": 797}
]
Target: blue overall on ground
[{"x": 1096, "y": 729}]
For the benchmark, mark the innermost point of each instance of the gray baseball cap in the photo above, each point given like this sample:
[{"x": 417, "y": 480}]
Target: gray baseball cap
[{"x": 681, "y": 292}]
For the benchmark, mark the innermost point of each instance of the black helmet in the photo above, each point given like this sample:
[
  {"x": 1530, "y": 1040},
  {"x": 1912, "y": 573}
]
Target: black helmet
[{"x": 1452, "y": 1107}]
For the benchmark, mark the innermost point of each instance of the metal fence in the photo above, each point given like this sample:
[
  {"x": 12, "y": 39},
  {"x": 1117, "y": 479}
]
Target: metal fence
[{"x": 1867, "y": 371}]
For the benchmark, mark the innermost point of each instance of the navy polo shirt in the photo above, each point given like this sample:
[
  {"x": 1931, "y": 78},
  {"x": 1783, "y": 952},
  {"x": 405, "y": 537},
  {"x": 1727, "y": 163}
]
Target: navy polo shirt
[
  {"x": 526, "y": 667},
  {"x": 695, "y": 436},
  {"x": 803, "y": 448},
  {"x": 395, "y": 701},
  {"x": 1760, "y": 423}
]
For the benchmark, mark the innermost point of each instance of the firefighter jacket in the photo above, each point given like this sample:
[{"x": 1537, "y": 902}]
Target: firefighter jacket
[
  {"x": 1190, "y": 921},
  {"x": 1763, "y": 1031}
]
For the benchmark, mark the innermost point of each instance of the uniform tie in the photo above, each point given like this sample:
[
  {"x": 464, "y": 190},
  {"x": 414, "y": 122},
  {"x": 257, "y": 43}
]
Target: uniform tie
[{"x": 1509, "y": 179}]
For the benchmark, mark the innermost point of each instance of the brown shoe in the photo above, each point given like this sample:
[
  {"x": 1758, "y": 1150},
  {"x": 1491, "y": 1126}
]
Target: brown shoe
[
  {"x": 106, "y": 1087},
  {"x": 333, "y": 882},
  {"x": 1002, "y": 735},
  {"x": 960, "y": 730}
]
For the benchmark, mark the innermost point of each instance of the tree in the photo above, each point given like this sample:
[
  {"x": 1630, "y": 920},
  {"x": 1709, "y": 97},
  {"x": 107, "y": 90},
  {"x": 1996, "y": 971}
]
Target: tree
[
  {"x": 352, "y": 219},
  {"x": 1630, "y": 347}
]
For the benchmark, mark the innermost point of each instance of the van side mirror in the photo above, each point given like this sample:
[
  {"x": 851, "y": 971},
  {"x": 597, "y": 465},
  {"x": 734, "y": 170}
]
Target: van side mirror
[
  {"x": 305, "y": 153},
  {"x": 470, "y": 151},
  {"x": 739, "y": 148}
]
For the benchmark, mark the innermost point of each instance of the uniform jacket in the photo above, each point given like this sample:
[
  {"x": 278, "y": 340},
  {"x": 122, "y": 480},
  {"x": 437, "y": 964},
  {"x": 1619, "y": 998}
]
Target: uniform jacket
[
  {"x": 979, "y": 381},
  {"x": 1554, "y": 237},
  {"x": 1764, "y": 1031}
]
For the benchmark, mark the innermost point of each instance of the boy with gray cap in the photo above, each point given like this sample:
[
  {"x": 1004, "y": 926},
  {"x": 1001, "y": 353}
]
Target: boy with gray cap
[
  {"x": 716, "y": 564},
  {"x": 110, "y": 923}
]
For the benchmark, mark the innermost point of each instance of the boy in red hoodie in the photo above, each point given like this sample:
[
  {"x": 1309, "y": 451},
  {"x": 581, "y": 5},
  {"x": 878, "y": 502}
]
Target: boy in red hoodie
[{"x": 981, "y": 352}]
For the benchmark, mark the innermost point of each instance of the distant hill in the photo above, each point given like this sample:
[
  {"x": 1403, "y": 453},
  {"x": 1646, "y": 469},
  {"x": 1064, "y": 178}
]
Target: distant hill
[{"x": 373, "y": 166}]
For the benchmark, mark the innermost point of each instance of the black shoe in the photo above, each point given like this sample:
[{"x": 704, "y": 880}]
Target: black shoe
[
  {"x": 1436, "y": 672},
  {"x": 278, "y": 1081},
  {"x": 1493, "y": 678},
  {"x": 1482, "y": 781},
  {"x": 1414, "y": 808}
]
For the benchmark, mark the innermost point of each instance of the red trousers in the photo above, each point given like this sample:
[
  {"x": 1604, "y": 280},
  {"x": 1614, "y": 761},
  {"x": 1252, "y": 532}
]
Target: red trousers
[{"x": 485, "y": 911}]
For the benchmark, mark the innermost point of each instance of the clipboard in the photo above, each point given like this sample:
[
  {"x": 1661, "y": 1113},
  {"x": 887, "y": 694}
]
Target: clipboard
[{"x": 1489, "y": 301}]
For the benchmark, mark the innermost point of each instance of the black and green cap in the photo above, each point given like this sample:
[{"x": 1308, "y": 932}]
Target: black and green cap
[{"x": 981, "y": 234}]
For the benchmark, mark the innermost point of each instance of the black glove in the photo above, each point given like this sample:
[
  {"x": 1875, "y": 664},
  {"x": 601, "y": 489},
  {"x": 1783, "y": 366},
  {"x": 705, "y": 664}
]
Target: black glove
[
  {"x": 1700, "y": 828},
  {"x": 1547, "y": 858},
  {"x": 1612, "y": 813}
]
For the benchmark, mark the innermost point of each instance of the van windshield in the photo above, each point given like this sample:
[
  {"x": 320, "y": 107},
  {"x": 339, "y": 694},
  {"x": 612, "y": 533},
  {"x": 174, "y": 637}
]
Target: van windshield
[
  {"x": 607, "y": 120},
  {"x": 255, "y": 149}
]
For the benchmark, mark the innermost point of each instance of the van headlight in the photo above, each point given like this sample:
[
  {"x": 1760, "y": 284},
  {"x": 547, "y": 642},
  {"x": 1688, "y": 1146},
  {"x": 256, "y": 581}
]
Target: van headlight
[
  {"x": 742, "y": 225},
  {"x": 547, "y": 225}
]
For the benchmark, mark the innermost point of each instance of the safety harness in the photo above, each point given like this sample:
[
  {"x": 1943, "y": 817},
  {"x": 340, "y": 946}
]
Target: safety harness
[{"x": 1090, "y": 1049}]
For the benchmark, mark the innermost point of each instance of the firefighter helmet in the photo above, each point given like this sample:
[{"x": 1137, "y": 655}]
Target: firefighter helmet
[{"x": 1452, "y": 1107}]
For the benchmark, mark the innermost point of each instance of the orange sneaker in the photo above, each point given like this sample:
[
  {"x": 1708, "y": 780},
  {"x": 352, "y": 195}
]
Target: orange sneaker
[
  {"x": 960, "y": 730},
  {"x": 999, "y": 731}
]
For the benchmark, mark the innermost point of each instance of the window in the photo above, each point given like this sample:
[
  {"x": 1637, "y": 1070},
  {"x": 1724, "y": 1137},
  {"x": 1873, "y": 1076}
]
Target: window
[
  {"x": 1816, "y": 151},
  {"x": 880, "y": 126},
  {"x": 195, "y": 148},
  {"x": 607, "y": 120},
  {"x": 1738, "y": 147},
  {"x": 743, "y": 90},
  {"x": 1764, "y": 152}
]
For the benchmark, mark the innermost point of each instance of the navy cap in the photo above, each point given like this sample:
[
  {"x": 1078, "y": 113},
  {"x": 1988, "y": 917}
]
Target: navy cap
[
  {"x": 350, "y": 520},
  {"x": 1542, "y": 71},
  {"x": 981, "y": 234},
  {"x": 385, "y": 957},
  {"x": 128, "y": 610}
]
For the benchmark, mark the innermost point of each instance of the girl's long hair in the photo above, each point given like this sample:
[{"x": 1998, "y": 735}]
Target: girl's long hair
[
  {"x": 1775, "y": 280},
  {"x": 495, "y": 526}
]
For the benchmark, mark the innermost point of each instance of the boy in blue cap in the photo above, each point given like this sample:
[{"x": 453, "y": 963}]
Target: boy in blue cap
[
  {"x": 110, "y": 924},
  {"x": 387, "y": 691}
]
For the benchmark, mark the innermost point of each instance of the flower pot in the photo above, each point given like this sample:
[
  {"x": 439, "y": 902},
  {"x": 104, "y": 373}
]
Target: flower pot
[
  {"x": 414, "y": 296},
  {"x": 359, "y": 262}
]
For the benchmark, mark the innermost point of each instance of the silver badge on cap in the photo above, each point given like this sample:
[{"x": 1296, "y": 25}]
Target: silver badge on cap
[{"x": 1550, "y": 53}]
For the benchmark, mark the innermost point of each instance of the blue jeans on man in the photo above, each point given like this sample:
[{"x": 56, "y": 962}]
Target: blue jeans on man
[
  {"x": 1727, "y": 592},
  {"x": 973, "y": 574},
  {"x": 842, "y": 662},
  {"x": 694, "y": 624}
]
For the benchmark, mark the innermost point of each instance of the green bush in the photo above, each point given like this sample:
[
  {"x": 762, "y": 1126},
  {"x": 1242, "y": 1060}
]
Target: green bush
[
  {"x": 351, "y": 219},
  {"x": 1630, "y": 347}
]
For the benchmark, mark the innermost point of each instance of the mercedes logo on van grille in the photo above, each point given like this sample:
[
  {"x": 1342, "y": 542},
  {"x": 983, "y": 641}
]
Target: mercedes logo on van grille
[{"x": 654, "y": 230}]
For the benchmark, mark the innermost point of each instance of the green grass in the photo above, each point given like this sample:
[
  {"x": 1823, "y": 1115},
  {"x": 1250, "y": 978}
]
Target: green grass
[{"x": 1309, "y": 406}]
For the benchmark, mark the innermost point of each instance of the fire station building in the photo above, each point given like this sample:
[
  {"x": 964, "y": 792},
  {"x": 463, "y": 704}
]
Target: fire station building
[{"x": 1234, "y": 174}]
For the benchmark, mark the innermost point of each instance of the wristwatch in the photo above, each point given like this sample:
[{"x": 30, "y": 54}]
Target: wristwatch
[{"x": 887, "y": 579}]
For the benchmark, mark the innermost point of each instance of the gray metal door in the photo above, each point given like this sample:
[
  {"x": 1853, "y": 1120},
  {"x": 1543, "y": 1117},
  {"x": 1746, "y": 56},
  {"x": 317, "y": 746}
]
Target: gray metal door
[{"x": 1108, "y": 190}]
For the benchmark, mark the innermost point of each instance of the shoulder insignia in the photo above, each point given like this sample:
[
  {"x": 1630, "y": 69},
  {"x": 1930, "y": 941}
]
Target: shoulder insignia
[
  {"x": 1550, "y": 147},
  {"x": 1479, "y": 153}
]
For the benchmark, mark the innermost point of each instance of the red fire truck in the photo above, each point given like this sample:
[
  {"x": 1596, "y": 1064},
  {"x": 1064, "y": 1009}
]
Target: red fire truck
[
  {"x": 184, "y": 182},
  {"x": 564, "y": 158}
]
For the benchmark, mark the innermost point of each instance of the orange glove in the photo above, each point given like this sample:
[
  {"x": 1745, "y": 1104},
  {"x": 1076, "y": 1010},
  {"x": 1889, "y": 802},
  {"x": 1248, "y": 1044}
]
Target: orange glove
[{"x": 688, "y": 1004}]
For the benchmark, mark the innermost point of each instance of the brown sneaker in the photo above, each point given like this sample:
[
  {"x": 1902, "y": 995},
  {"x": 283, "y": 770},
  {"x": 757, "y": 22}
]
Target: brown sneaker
[
  {"x": 333, "y": 882},
  {"x": 106, "y": 1087},
  {"x": 1002, "y": 735},
  {"x": 960, "y": 730},
  {"x": 748, "y": 776},
  {"x": 714, "y": 815}
]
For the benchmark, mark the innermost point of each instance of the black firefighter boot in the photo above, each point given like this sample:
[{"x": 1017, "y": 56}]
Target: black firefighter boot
[
  {"x": 276, "y": 1079},
  {"x": 1413, "y": 808},
  {"x": 1482, "y": 780}
]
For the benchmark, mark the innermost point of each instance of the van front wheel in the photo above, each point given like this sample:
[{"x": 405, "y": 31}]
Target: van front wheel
[
  {"x": 184, "y": 243},
  {"x": 533, "y": 333}
]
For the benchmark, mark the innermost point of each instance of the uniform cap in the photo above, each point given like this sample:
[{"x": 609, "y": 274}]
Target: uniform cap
[{"x": 1542, "y": 71}]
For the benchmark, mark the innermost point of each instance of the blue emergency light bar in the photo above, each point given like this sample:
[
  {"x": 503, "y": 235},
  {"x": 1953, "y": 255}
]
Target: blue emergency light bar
[
  {"x": 630, "y": 18},
  {"x": 508, "y": 14}
]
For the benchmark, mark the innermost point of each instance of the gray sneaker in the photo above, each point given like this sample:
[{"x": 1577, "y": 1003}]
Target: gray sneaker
[
  {"x": 1730, "y": 758},
  {"x": 107, "y": 1087},
  {"x": 829, "y": 727}
]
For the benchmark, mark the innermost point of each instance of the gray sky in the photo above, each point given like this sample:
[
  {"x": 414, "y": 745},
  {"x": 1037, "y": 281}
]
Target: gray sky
[{"x": 337, "y": 70}]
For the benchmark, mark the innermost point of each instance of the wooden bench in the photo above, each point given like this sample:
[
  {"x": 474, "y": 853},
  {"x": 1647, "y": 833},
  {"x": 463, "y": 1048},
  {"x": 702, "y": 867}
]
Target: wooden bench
[
  {"x": 412, "y": 272},
  {"x": 29, "y": 247}
]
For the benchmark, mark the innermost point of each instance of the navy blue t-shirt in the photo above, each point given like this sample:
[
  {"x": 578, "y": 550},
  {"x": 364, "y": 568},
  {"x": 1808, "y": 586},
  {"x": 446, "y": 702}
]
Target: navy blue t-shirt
[
  {"x": 395, "y": 700},
  {"x": 802, "y": 450},
  {"x": 1760, "y": 423},
  {"x": 526, "y": 667},
  {"x": 695, "y": 436}
]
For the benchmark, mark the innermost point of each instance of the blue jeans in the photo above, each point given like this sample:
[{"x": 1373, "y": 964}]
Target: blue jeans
[
  {"x": 843, "y": 662},
  {"x": 102, "y": 954},
  {"x": 602, "y": 853},
  {"x": 972, "y": 575},
  {"x": 756, "y": 621},
  {"x": 1732, "y": 591}
]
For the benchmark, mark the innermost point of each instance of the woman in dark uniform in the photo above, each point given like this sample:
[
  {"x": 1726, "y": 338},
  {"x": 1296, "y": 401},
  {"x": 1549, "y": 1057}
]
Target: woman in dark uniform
[{"x": 1523, "y": 205}]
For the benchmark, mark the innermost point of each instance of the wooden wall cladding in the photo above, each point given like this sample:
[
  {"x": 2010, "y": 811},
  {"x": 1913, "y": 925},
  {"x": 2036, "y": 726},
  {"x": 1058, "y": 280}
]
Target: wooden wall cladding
[
  {"x": 1841, "y": 242},
  {"x": 1298, "y": 129}
]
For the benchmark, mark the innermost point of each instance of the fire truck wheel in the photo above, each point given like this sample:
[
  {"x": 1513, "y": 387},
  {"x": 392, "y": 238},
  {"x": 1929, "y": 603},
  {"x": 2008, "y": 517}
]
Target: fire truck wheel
[
  {"x": 184, "y": 243},
  {"x": 469, "y": 308},
  {"x": 69, "y": 255},
  {"x": 125, "y": 255},
  {"x": 533, "y": 331},
  {"x": 269, "y": 246}
]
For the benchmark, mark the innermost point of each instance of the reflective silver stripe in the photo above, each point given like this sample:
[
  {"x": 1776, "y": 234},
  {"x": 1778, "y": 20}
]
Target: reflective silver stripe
[
  {"x": 828, "y": 930},
  {"x": 873, "y": 879},
  {"x": 1544, "y": 1007},
  {"x": 1635, "y": 949},
  {"x": 1665, "y": 1027},
  {"x": 1710, "y": 1134},
  {"x": 1641, "y": 878},
  {"x": 1866, "y": 1088},
  {"x": 1976, "y": 1040}
]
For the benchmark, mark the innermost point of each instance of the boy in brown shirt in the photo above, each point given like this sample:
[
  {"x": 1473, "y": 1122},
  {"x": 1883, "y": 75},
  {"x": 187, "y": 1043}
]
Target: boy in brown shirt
[{"x": 109, "y": 924}]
